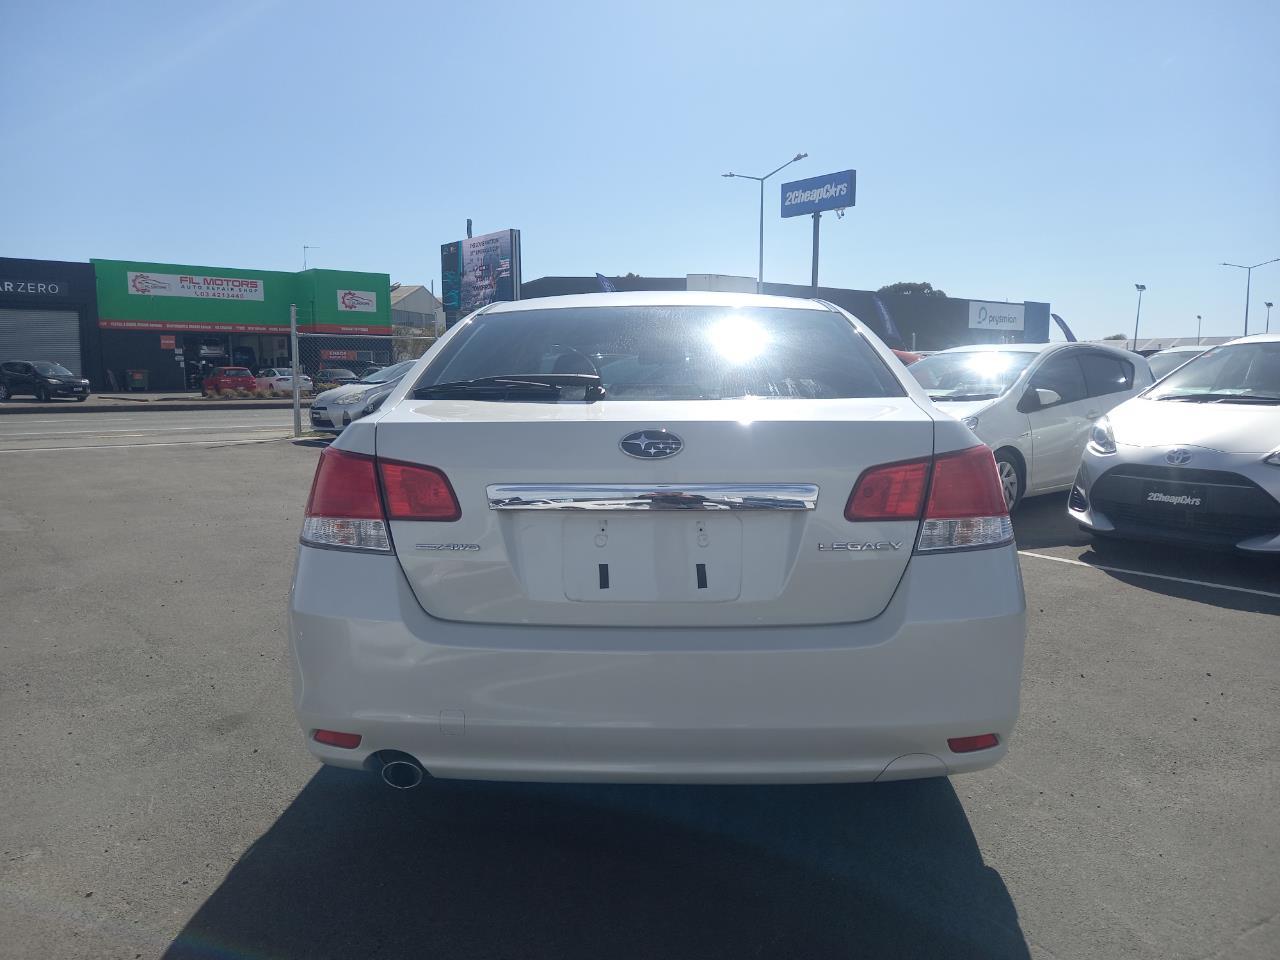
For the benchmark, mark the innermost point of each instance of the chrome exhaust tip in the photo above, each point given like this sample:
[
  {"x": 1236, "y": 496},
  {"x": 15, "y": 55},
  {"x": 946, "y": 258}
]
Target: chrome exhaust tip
[{"x": 401, "y": 771}]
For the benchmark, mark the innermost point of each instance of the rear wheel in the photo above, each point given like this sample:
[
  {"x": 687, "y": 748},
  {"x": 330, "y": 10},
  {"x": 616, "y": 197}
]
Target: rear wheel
[
  {"x": 4, "y": 392},
  {"x": 1012, "y": 484},
  {"x": 42, "y": 395}
]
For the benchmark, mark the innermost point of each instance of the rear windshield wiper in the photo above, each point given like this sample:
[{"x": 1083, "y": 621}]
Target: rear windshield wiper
[
  {"x": 523, "y": 385},
  {"x": 1220, "y": 398}
]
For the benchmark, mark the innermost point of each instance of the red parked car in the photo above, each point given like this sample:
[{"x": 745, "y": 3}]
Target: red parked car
[{"x": 229, "y": 378}]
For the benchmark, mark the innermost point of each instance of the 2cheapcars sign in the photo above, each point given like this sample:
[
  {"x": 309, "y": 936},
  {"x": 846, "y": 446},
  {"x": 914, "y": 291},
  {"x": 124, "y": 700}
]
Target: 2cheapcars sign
[
  {"x": 995, "y": 316},
  {"x": 186, "y": 285},
  {"x": 831, "y": 191},
  {"x": 357, "y": 301}
]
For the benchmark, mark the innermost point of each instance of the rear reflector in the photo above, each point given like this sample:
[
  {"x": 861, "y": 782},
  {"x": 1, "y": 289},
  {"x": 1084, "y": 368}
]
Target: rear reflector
[
  {"x": 894, "y": 491},
  {"x": 983, "y": 741},
  {"x": 348, "y": 741},
  {"x": 415, "y": 492}
]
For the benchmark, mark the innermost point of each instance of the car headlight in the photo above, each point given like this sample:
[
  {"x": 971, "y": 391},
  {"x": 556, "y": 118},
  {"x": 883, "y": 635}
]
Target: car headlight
[
  {"x": 52, "y": 382},
  {"x": 349, "y": 399},
  {"x": 970, "y": 422},
  {"x": 1102, "y": 438}
]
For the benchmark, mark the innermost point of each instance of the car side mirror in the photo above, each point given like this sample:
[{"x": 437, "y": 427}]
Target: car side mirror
[{"x": 1038, "y": 398}]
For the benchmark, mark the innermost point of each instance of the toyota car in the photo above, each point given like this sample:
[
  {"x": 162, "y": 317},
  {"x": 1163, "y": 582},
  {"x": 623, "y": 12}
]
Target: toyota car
[
  {"x": 677, "y": 537},
  {"x": 1195, "y": 459}
]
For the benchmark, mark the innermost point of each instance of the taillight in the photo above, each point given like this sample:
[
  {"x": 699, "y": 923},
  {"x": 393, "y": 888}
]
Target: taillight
[
  {"x": 958, "y": 494},
  {"x": 415, "y": 492},
  {"x": 346, "y": 506},
  {"x": 345, "y": 509},
  {"x": 983, "y": 741},
  {"x": 894, "y": 491},
  {"x": 966, "y": 507}
]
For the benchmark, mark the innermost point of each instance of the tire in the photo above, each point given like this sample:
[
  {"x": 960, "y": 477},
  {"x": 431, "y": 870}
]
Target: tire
[
  {"x": 1012, "y": 482},
  {"x": 42, "y": 395},
  {"x": 82, "y": 399},
  {"x": 4, "y": 392}
]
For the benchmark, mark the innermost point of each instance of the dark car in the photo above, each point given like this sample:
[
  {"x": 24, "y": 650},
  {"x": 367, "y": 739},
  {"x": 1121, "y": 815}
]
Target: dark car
[
  {"x": 339, "y": 375},
  {"x": 41, "y": 379}
]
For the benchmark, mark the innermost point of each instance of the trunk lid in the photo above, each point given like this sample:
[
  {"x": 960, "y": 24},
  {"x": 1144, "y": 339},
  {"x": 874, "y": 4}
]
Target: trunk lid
[{"x": 640, "y": 548}]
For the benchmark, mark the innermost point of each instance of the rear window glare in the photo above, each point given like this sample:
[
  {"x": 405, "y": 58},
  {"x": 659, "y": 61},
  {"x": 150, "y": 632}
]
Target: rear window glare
[{"x": 673, "y": 352}]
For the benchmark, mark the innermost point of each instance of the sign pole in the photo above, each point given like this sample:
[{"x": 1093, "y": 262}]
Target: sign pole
[
  {"x": 297, "y": 387},
  {"x": 816, "y": 218}
]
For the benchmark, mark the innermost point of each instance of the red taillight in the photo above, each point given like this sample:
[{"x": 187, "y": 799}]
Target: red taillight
[
  {"x": 965, "y": 484},
  {"x": 348, "y": 741},
  {"x": 983, "y": 741},
  {"x": 415, "y": 492},
  {"x": 346, "y": 486},
  {"x": 894, "y": 491}
]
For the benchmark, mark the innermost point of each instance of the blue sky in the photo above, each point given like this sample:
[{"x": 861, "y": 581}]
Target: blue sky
[{"x": 1019, "y": 150}]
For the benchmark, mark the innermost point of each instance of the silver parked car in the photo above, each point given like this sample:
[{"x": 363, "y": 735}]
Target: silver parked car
[
  {"x": 1171, "y": 358},
  {"x": 1194, "y": 459},
  {"x": 335, "y": 409}
]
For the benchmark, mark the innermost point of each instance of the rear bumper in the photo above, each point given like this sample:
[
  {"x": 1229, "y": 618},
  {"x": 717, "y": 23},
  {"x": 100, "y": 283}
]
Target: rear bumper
[{"x": 851, "y": 702}]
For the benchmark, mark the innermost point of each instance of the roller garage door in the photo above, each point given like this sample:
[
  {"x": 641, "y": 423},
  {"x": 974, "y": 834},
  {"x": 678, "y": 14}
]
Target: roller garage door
[{"x": 41, "y": 335}]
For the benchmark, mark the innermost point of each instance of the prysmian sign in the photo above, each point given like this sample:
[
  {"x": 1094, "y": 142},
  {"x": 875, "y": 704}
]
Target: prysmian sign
[
  {"x": 187, "y": 285},
  {"x": 995, "y": 316},
  {"x": 831, "y": 191}
]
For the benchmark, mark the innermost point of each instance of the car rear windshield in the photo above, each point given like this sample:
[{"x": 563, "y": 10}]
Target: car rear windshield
[
  {"x": 970, "y": 374},
  {"x": 236, "y": 372},
  {"x": 388, "y": 373},
  {"x": 1241, "y": 370},
  {"x": 672, "y": 352},
  {"x": 52, "y": 370}
]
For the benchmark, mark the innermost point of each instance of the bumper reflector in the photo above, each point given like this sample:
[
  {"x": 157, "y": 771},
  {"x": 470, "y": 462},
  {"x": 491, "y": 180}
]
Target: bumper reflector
[
  {"x": 348, "y": 741},
  {"x": 983, "y": 741}
]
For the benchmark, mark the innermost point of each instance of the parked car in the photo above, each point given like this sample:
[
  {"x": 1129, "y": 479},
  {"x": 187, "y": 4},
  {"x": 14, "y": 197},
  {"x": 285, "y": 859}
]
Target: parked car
[
  {"x": 1195, "y": 459},
  {"x": 280, "y": 380},
  {"x": 41, "y": 379},
  {"x": 906, "y": 356},
  {"x": 229, "y": 378},
  {"x": 1032, "y": 403},
  {"x": 338, "y": 375},
  {"x": 1164, "y": 362},
  {"x": 334, "y": 409},
  {"x": 749, "y": 549}
]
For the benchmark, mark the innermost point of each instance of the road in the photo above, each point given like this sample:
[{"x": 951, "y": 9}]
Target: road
[
  {"x": 76, "y": 431},
  {"x": 158, "y": 801}
]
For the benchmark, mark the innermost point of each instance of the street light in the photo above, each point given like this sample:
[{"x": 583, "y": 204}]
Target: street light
[
  {"x": 1268, "y": 304},
  {"x": 1197, "y": 329},
  {"x": 761, "y": 180},
  {"x": 1139, "y": 287},
  {"x": 1247, "y": 283}
]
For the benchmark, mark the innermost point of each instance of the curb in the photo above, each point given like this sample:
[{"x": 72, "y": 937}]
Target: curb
[{"x": 152, "y": 406}]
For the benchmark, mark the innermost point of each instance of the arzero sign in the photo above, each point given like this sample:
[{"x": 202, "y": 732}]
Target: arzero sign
[{"x": 831, "y": 191}]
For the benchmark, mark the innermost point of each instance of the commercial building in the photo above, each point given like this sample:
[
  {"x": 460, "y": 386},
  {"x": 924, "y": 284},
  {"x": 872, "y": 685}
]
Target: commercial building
[
  {"x": 413, "y": 305},
  {"x": 906, "y": 321},
  {"x": 163, "y": 324}
]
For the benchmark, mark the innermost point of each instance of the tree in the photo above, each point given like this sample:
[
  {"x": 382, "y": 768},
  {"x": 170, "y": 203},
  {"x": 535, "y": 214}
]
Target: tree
[
  {"x": 1116, "y": 336},
  {"x": 912, "y": 289}
]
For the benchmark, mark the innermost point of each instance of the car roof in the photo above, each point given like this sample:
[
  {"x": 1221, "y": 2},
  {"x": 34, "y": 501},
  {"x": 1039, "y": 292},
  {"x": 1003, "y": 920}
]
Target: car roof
[
  {"x": 1185, "y": 348},
  {"x": 1257, "y": 338},
  {"x": 1009, "y": 347},
  {"x": 657, "y": 298}
]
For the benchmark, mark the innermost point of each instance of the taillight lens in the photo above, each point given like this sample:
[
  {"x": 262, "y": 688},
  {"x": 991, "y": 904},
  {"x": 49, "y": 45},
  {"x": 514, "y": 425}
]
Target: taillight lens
[
  {"x": 965, "y": 508},
  {"x": 345, "y": 509},
  {"x": 958, "y": 493},
  {"x": 894, "y": 491}
]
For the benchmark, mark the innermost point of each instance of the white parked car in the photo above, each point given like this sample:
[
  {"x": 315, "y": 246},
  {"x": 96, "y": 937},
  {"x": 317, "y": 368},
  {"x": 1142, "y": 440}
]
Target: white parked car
[
  {"x": 280, "y": 380},
  {"x": 1195, "y": 459},
  {"x": 691, "y": 537},
  {"x": 1032, "y": 403}
]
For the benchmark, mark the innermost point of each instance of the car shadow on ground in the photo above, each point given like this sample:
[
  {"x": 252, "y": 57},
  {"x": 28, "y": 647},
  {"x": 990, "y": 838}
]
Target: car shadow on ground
[
  {"x": 1042, "y": 524},
  {"x": 355, "y": 869}
]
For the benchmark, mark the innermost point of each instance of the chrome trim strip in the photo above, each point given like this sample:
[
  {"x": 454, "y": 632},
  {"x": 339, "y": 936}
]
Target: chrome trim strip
[{"x": 652, "y": 496}]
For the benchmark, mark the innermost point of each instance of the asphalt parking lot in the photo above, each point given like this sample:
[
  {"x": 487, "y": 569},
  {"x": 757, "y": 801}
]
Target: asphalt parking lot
[{"x": 158, "y": 800}]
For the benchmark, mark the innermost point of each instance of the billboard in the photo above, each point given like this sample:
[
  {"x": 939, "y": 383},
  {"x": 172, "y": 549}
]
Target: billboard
[
  {"x": 984, "y": 315},
  {"x": 489, "y": 270},
  {"x": 831, "y": 191},
  {"x": 451, "y": 277},
  {"x": 193, "y": 285}
]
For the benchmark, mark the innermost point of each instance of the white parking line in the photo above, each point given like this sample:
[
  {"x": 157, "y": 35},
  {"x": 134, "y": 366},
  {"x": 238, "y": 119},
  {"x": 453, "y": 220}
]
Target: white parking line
[
  {"x": 1154, "y": 576},
  {"x": 120, "y": 446}
]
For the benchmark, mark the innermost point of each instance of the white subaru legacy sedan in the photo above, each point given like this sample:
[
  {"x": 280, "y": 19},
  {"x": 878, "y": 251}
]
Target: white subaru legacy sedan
[{"x": 680, "y": 537}]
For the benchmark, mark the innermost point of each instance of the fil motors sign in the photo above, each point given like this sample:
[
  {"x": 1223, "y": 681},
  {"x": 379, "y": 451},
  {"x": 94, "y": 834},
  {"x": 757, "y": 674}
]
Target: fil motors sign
[
  {"x": 831, "y": 191},
  {"x": 995, "y": 316},
  {"x": 357, "y": 301},
  {"x": 190, "y": 285}
]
